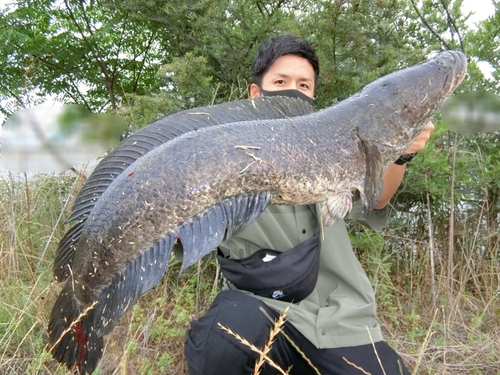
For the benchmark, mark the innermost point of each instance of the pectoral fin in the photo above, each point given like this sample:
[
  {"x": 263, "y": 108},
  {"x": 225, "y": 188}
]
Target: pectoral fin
[
  {"x": 336, "y": 207},
  {"x": 373, "y": 177}
]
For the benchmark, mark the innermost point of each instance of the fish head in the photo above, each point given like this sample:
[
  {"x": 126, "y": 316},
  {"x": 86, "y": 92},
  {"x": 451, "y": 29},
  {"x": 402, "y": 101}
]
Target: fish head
[
  {"x": 400, "y": 104},
  {"x": 425, "y": 87},
  {"x": 392, "y": 111}
]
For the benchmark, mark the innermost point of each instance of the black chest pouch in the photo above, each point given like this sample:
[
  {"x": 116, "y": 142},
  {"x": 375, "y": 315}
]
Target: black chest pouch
[{"x": 289, "y": 276}]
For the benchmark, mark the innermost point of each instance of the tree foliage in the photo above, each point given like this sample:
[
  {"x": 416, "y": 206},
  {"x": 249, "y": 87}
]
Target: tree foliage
[
  {"x": 74, "y": 51},
  {"x": 97, "y": 52}
]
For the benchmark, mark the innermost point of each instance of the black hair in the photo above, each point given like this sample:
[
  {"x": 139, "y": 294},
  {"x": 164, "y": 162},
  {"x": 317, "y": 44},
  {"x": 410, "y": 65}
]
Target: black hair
[{"x": 278, "y": 46}]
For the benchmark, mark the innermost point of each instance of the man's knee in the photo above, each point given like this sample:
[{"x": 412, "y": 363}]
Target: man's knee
[{"x": 207, "y": 343}]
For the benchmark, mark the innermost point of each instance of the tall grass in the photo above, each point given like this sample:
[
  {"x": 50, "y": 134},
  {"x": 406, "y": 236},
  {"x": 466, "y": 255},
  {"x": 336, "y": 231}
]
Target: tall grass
[
  {"x": 441, "y": 315},
  {"x": 30, "y": 226}
]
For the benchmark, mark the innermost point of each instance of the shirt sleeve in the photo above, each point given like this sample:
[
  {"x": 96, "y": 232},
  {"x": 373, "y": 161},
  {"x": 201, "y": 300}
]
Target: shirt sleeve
[{"x": 375, "y": 220}]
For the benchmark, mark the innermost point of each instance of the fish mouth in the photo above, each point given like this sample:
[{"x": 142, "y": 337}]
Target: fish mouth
[{"x": 457, "y": 61}]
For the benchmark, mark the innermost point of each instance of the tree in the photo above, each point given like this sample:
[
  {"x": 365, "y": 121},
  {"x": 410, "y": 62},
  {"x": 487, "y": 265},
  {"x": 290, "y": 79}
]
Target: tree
[{"x": 74, "y": 51}]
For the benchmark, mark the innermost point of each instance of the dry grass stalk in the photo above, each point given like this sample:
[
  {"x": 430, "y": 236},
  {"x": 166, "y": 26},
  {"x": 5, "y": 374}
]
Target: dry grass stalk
[
  {"x": 375, "y": 350},
  {"x": 424, "y": 344},
  {"x": 295, "y": 346},
  {"x": 451, "y": 236},
  {"x": 431, "y": 248},
  {"x": 356, "y": 366},
  {"x": 84, "y": 312},
  {"x": 253, "y": 348},
  {"x": 278, "y": 324}
]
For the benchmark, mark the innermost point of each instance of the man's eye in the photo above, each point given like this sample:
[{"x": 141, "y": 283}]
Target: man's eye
[
  {"x": 305, "y": 86},
  {"x": 280, "y": 82}
]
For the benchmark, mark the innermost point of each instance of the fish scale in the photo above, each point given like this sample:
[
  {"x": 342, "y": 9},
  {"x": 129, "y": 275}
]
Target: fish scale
[{"x": 208, "y": 183}]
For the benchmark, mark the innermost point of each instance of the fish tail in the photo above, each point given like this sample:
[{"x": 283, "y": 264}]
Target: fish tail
[{"x": 72, "y": 338}]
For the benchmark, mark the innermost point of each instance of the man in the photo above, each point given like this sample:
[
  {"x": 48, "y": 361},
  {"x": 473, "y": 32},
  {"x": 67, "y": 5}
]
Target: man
[{"x": 332, "y": 322}]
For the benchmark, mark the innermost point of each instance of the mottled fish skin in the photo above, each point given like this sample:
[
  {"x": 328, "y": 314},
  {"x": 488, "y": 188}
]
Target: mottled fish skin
[
  {"x": 150, "y": 137},
  {"x": 191, "y": 187}
]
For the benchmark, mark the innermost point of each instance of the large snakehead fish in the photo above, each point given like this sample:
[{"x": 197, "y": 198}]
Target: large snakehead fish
[{"x": 199, "y": 184}]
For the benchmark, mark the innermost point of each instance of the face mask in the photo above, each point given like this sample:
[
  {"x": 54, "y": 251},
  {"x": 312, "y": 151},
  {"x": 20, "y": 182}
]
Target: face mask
[{"x": 289, "y": 93}]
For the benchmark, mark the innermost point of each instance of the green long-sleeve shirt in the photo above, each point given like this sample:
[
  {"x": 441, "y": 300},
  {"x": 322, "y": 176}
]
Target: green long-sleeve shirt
[{"x": 341, "y": 310}]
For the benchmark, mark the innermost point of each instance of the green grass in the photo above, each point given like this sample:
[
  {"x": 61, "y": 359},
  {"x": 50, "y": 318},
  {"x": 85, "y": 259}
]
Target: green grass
[{"x": 439, "y": 322}]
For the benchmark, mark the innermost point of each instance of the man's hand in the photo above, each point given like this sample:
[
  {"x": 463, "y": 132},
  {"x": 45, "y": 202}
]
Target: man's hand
[{"x": 420, "y": 142}]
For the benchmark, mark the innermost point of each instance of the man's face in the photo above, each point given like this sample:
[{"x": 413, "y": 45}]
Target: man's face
[{"x": 289, "y": 72}]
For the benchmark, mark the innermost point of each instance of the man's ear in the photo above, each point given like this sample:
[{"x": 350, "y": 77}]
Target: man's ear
[{"x": 254, "y": 91}]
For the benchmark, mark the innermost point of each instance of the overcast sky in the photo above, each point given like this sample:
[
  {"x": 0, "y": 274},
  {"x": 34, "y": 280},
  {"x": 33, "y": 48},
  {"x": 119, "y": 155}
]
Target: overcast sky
[{"x": 481, "y": 8}]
